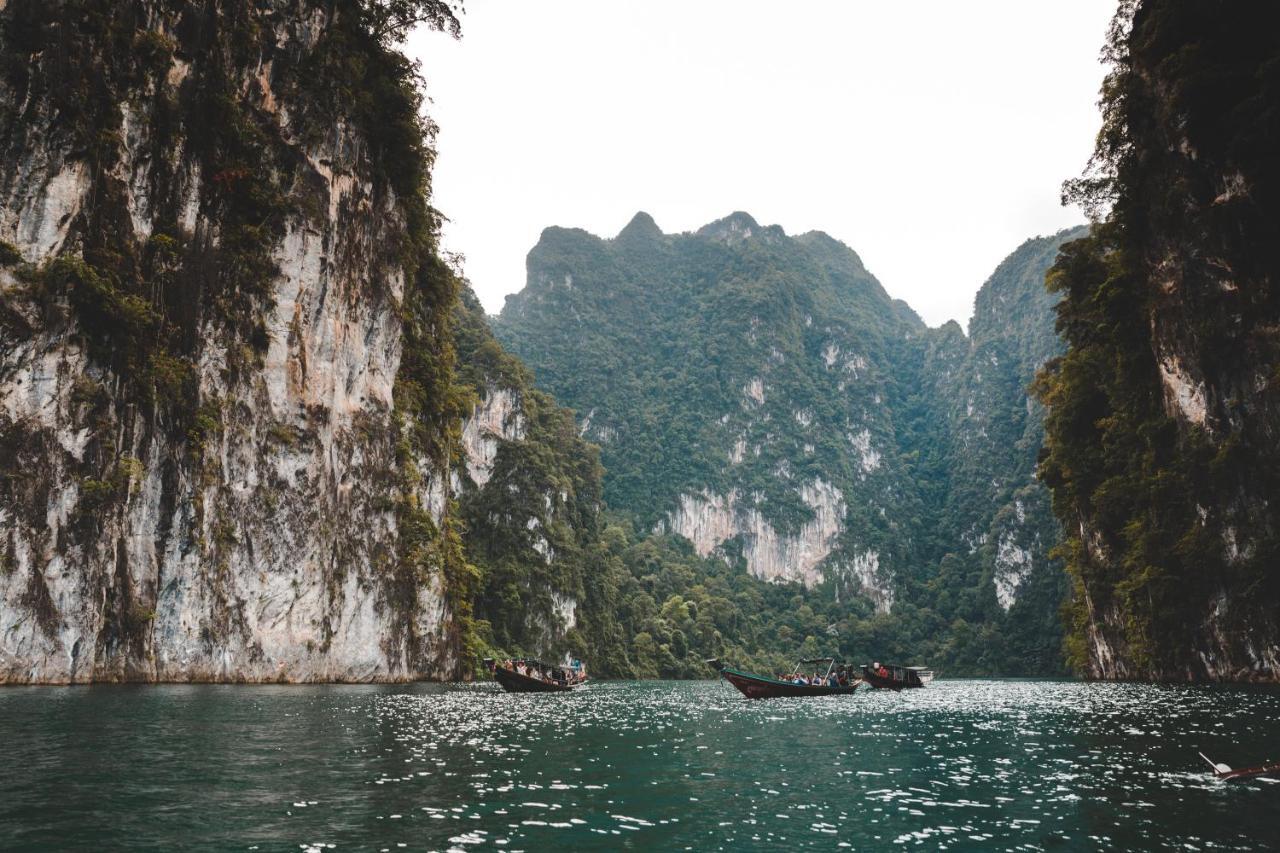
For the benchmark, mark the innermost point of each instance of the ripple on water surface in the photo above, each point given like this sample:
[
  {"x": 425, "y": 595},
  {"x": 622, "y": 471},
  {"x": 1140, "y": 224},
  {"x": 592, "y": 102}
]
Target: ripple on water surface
[{"x": 1002, "y": 765}]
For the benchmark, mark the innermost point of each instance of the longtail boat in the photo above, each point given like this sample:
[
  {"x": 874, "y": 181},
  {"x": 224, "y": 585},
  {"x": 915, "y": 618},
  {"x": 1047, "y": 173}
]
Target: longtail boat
[
  {"x": 538, "y": 677},
  {"x": 767, "y": 687},
  {"x": 883, "y": 676},
  {"x": 1224, "y": 772}
]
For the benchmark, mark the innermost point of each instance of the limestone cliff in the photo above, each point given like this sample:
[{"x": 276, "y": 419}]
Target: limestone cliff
[
  {"x": 1162, "y": 450},
  {"x": 225, "y": 415}
]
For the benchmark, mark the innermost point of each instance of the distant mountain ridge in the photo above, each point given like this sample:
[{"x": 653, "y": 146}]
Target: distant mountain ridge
[{"x": 764, "y": 397}]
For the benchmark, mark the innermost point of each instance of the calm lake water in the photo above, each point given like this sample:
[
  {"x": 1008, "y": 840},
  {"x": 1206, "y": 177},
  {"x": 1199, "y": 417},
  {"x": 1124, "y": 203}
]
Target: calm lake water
[{"x": 1001, "y": 765}]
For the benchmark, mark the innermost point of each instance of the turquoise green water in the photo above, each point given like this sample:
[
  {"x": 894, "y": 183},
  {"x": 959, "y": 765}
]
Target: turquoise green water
[{"x": 998, "y": 765}]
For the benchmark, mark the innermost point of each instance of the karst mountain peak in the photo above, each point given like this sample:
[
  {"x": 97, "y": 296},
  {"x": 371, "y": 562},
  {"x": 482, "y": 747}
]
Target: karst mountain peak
[{"x": 763, "y": 397}]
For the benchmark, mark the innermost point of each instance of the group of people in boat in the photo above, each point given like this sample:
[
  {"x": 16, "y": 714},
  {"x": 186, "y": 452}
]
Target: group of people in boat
[
  {"x": 574, "y": 673},
  {"x": 837, "y": 677}
]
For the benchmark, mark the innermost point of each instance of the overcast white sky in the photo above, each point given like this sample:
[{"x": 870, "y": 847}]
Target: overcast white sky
[{"x": 930, "y": 136}]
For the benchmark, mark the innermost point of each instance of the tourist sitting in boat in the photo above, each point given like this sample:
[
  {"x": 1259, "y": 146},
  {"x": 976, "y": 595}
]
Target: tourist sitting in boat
[{"x": 527, "y": 675}]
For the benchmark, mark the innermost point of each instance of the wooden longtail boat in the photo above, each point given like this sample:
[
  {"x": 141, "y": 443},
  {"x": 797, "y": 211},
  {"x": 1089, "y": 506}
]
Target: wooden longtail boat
[
  {"x": 767, "y": 687},
  {"x": 555, "y": 679},
  {"x": 889, "y": 677},
  {"x": 1226, "y": 774}
]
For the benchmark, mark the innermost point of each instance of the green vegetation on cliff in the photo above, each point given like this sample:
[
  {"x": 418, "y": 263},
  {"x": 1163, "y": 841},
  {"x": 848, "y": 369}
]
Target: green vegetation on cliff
[
  {"x": 1161, "y": 449},
  {"x": 530, "y": 506}
]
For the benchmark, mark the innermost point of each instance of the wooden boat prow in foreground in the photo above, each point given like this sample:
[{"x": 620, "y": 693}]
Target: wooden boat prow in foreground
[
  {"x": 1224, "y": 772},
  {"x": 889, "y": 677},
  {"x": 550, "y": 679},
  {"x": 767, "y": 687}
]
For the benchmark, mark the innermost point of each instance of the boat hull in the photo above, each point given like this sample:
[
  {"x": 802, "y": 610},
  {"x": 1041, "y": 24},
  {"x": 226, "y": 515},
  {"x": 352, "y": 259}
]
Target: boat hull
[
  {"x": 879, "y": 682},
  {"x": 514, "y": 682},
  {"x": 1250, "y": 772},
  {"x": 760, "y": 687}
]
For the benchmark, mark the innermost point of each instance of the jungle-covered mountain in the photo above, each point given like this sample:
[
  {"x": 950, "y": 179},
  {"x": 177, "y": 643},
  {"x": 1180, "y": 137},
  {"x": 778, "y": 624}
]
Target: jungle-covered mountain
[
  {"x": 1162, "y": 448},
  {"x": 761, "y": 398}
]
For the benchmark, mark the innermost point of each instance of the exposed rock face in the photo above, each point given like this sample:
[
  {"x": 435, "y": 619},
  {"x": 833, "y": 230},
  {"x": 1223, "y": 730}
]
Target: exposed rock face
[
  {"x": 200, "y": 350},
  {"x": 498, "y": 417},
  {"x": 1184, "y": 396},
  {"x": 1162, "y": 431},
  {"x": 709, "y": 520},
  {"x": 1014, "y": 563}
]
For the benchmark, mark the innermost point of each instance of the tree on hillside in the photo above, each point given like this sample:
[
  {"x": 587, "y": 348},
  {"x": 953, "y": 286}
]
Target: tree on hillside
[{"x": 390, "y": 20}]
